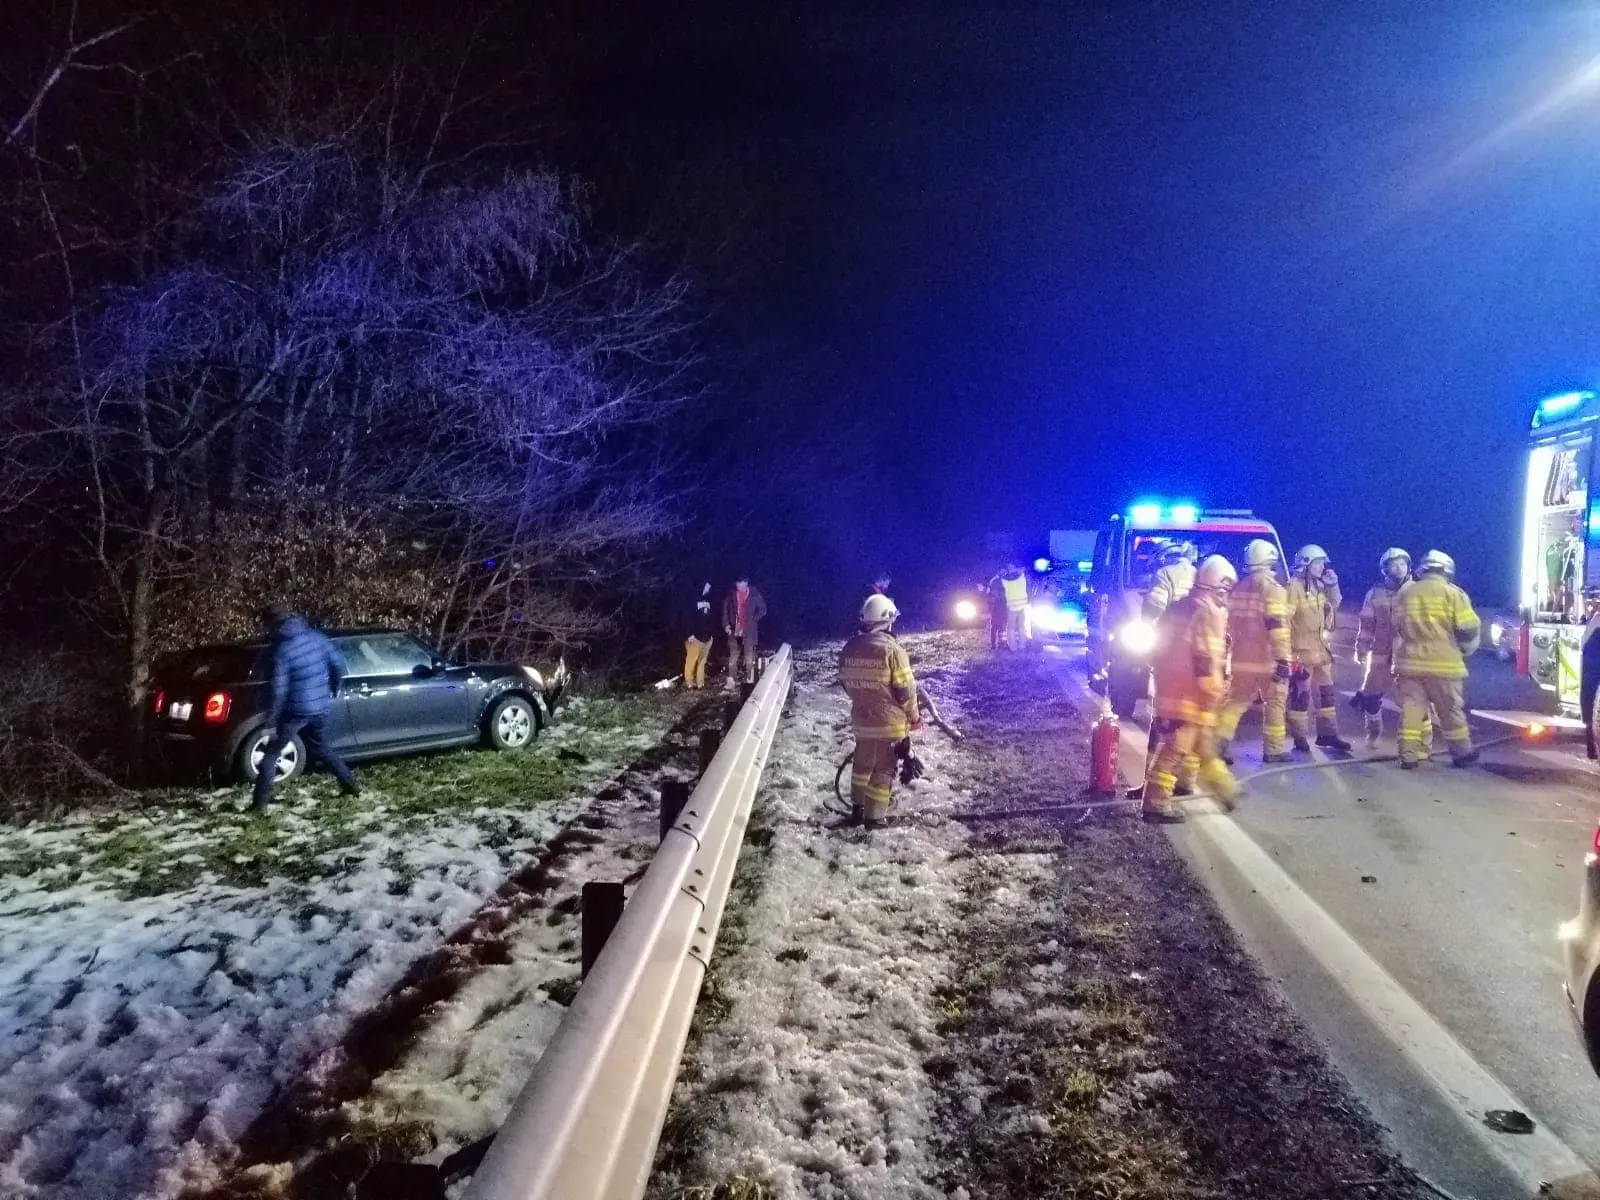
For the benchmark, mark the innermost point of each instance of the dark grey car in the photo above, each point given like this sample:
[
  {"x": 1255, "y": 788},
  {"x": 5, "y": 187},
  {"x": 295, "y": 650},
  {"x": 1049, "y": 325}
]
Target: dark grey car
[{"x": 208, "y": 705}]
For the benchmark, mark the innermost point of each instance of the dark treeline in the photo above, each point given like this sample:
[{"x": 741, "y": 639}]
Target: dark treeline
[{"x": 352, "y": 313}]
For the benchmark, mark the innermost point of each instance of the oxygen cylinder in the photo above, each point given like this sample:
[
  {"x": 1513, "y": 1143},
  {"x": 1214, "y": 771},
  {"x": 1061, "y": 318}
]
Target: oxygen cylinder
[{"x": 1103, "y": 740}]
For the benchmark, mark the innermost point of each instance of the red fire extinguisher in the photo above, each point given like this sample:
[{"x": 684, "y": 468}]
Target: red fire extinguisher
[
  {"x": 1524, "y": 651},
  {"x": 1103, "y": 739}
]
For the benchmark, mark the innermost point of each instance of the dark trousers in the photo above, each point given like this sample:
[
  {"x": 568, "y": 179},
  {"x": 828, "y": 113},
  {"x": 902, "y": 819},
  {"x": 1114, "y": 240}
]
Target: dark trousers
[
  {"x": 312, "y": 737},
  {"x": 1588, "y": 683}
]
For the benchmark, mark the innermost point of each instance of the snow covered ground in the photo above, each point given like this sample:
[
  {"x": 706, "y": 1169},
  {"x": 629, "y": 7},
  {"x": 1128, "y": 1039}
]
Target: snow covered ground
[
  {"x": 812, "y": 1082},
  {"x": 163, "y": 970}
]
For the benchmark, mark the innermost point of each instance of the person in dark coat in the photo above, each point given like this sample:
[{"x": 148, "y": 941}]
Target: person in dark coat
[
  {"x": 306, "y": 671},
  {"x": 742, "y": 612}
]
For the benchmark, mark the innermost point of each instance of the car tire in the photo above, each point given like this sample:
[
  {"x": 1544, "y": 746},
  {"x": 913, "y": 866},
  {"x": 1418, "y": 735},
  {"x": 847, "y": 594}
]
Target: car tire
[
  {"x": 512, "y": 723},
  {"x": 246, "y": 761},
  {"x": 1124, "y": 691}
]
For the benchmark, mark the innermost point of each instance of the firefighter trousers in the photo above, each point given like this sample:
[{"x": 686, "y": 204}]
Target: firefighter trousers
[
  {"x": 872, "y": 772},
  {"x": 1378, "y": 679},
  {"x": 1243, "y": 690},
  {"x": 1308, "y": 683},
  {"x": 1184, "y": 748},
  {"x": 1017, "y": 628},
  {"x": 695, "y": 654},
  {"x": 1417, "y": 693}
]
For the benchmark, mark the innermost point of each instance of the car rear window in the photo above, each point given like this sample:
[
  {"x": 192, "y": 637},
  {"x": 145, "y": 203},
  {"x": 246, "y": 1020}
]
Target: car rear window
[{"x": 213, "y": 664}]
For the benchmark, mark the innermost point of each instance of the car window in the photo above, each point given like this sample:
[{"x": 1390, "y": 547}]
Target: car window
[
  {"x": 383, "y": 654},
  {"x": 213, "y": 665}
]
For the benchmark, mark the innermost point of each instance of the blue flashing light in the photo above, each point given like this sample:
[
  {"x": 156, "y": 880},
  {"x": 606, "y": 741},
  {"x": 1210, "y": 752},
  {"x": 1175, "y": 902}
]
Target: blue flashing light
[
  {"x": 1041, "y": 565},
  {"x": 1086, "y": 565},
  {"x": 1184, "y": 514},
  {"x": 1554, "y": 408},
  {"x": 1144, "y": 514},
  {"x": 1594, "y": 525}
]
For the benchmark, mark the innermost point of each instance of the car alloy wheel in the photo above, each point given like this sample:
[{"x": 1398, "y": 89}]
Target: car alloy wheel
[
  {"x": 288, "y": 761},
  {"x": 513, "y": 724}
]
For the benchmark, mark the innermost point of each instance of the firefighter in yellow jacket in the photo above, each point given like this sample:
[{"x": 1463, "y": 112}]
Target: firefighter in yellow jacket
[
  {"x": 1375, "y": 643},
  {"x": 1435, "y": 629},
  {"x": 1313, "y": 605},
  {"x": 1190, "y": 668},
  {"x": 876, "y": 674},
  {"x": 1258, "y": 630}
]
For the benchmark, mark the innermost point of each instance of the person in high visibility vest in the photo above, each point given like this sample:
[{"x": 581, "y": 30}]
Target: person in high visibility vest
[
  {"x": 1258, "y": 628},
  {"x": 875, "y": 673},
  {"x": 1313, "y": 603},
  {"x": 1190, "y": 668},
  {"x": 1014, "y": 586},
  {"x": 1435, "y": 629}
]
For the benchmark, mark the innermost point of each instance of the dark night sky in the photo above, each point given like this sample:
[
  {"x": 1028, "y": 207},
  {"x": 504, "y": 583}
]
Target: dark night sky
[{"x": 1264, "y": 254}]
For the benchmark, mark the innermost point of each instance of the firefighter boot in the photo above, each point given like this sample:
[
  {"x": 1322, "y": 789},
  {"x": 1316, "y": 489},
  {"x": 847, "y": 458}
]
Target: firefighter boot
[
  {"x": 1303, "y": 745},
  {"x": 1225, "y": 751},
  {"x": 1220, "y": 783},
  {"x": 1332, "y": 741}
]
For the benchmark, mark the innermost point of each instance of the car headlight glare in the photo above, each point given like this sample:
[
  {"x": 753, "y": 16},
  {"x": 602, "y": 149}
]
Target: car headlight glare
[
  {"x": 966, "y": 610},
  {"x": 1496, "y": 632},
  {"x": 1137, "y": 636}
]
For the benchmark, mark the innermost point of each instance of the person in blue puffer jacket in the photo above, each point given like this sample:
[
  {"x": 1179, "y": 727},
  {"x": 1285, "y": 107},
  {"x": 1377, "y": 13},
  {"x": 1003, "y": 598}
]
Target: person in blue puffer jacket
[{"x": 306, "y": 672}]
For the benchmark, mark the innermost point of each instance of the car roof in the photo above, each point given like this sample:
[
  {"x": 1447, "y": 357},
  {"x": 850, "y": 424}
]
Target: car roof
[{"x": 1220, "y": 525}]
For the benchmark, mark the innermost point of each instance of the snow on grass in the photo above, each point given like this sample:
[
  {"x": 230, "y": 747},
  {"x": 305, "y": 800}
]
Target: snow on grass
[
  {"x": 163, "y": 970},
  {"x": 829, "y": 996}
]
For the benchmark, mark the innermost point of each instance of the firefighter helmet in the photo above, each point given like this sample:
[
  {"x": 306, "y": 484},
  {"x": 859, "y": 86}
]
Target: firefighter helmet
[
  {"x": 1260, "y": 553},
  {"x": 878, "y": 610},
  {"x": 1389, "y": 555},
  {"x": 1216, "y": 573},
  {"x": 1438, "y": 560},
  {"x": 1309, "y": 554}
]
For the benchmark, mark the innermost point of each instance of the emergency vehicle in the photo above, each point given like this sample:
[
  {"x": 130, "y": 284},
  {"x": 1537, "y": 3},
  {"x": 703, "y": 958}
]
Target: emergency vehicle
[
  {"x": 1559, "y": 520},
  {"x": 1127, "y": 554}
]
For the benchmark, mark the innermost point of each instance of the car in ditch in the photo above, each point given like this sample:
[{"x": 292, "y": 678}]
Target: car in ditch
[{"x": 208, "y": 705}]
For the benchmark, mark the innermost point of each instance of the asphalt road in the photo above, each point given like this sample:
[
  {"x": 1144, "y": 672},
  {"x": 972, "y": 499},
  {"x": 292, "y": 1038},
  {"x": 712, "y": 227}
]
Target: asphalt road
[{"x": 1454, "y": 882}]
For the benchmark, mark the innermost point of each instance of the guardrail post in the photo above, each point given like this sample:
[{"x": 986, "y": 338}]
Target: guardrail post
[
  {"x": 710, "y": 743},
  {"x": 730, "y": 712},
  {"x": 674, "y": 795},
  {"x": 602, "y": 909}
]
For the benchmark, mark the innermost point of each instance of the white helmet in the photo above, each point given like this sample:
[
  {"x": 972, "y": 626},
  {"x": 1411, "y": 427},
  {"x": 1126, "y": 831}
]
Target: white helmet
[
  {"x": 1216, "y": 573},
  {"x": 1176, "y": 551},
  {"x": 878, "y": 610},
  {"x": 1260, "y": 553},
  {"x": 1392, "y": 553},
  {"x": 1309, "y": 553},
  {"x": 1438, "y": 560}
]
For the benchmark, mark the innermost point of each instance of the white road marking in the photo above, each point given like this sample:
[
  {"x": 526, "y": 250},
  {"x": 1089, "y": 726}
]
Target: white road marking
[{"x": 1537, "y": 1159}]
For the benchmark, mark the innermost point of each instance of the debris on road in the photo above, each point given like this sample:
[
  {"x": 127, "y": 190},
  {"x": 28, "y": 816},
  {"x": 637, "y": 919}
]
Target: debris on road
[{"x": 1508, "y": 1120}]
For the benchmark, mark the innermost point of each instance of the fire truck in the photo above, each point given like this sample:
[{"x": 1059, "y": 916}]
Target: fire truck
[{"x": 1559, "y": 520}]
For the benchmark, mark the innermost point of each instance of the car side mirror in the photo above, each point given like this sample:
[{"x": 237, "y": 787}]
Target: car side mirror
[{"x": 424, "y": 670}]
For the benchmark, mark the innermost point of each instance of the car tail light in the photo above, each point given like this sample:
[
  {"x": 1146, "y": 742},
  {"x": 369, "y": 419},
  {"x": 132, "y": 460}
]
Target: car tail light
[
  {"x": 218, "y": 705},
  {"x": 158, "y": 702}
]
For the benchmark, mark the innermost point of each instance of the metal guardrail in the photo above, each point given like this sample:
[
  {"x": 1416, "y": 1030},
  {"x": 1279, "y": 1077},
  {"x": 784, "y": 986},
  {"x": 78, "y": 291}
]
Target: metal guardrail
[{"x": 585, "y": 1127}]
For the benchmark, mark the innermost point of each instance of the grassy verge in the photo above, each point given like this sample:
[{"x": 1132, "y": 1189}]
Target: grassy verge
[{"x": 177, "y": 839}]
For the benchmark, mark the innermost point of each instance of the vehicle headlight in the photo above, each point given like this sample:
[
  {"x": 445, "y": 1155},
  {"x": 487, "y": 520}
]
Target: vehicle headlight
[
  {"x": 1073, "y": 621},
  {"x": 966, "y": 610},
  {"x": 1496, "y": 632},
  {"x": 1046, "y": 617},
  {"x": 1137, "y": 636}
]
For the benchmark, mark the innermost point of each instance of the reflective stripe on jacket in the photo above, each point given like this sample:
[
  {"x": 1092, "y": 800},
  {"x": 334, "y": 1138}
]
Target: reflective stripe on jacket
[
  {"x": 1435, "y": 629},
  {"x": 1258, "y": 623},
  {"x": 1190, "y": 659},
  {"x": 1016, "y": 590},
  {"x": 876, "y": 674},
  {"x": 1173, "y": 583},
  {"x": 1313, "y": 605},
  {"x": 1375, "y": 627}
]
